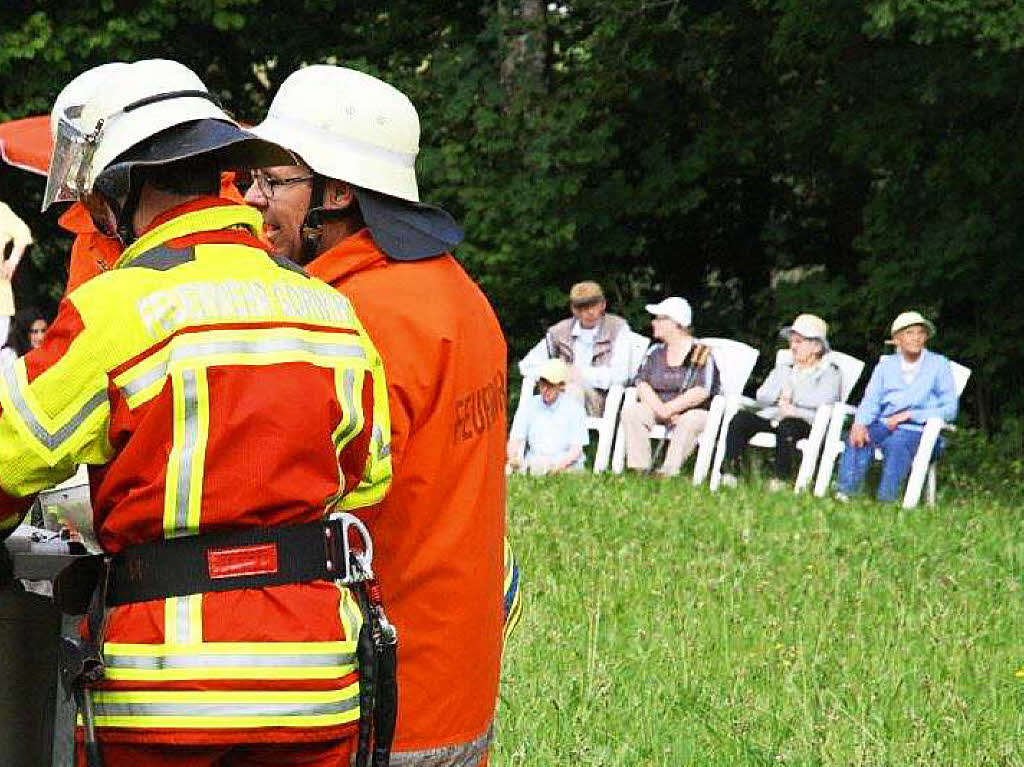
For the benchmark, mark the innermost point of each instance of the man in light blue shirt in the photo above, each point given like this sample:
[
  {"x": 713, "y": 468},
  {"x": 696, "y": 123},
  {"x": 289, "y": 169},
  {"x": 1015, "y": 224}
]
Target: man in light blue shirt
[
  {"x": 905, "y": 390},
  {"x": 551, "y": 427}
]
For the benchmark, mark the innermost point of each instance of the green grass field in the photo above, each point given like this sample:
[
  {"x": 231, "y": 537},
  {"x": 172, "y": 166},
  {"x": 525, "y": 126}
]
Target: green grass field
[{"x": 665, "y": 625}]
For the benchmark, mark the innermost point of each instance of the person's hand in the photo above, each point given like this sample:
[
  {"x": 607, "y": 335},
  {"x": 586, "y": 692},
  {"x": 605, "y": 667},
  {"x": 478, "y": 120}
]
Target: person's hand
[
  {"x": 859, "y": 435},
  {"x": 786, "y": 409},
  {"x": 895, "y": 420},
  {"x": 562, "y": 465},
  {"x": 14, "y": 231},
  {"x": 664, "y": 411}
]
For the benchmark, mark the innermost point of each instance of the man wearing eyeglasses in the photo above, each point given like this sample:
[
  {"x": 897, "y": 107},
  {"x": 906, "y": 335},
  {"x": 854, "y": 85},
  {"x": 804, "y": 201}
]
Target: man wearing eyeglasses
[{"x": 350, "y": 213}]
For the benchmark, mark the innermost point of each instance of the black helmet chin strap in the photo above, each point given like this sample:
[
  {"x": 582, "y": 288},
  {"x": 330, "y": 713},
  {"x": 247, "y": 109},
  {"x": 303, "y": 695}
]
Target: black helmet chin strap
[
  {"x": 125, "y": 213},
  {"x": 311, "y": 227}
]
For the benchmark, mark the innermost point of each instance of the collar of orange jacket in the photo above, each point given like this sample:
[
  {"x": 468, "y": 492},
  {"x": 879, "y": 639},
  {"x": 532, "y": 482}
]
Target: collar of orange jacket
[
  {"x": 200, "y": 203},
  {"x": 355, "y": 253},
  {"x": 77, "y": 220}
]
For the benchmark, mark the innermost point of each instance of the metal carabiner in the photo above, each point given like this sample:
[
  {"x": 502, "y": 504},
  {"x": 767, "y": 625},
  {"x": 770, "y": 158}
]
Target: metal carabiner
[{"x": 348, "y": 556}]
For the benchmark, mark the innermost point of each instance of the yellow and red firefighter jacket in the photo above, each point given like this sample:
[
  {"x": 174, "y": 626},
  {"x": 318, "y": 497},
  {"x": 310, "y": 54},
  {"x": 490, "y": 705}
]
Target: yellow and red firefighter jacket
[{"x": 210, "y": 388}]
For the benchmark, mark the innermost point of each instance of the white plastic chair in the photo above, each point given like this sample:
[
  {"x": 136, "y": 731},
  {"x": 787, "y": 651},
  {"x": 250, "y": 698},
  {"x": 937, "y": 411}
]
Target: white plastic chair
[
  {"x": 735, "y": 362},
  {"x": 850, "y": 369},
  {"x": 604, "y": 424},
  {"x": 922, "y": 469}
]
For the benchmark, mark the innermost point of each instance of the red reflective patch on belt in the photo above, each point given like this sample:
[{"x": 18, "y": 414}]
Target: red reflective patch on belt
[{"x": 242, "y": 560}]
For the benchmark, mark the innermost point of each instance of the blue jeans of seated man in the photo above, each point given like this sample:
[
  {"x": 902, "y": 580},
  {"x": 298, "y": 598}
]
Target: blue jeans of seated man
[{"x": 898, "y": 449}]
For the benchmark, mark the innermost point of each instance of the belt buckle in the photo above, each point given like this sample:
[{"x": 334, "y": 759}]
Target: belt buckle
[{"x": 346, "y": 563}]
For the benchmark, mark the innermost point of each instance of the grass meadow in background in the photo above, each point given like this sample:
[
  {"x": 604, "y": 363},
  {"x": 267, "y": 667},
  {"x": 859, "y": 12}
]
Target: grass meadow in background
[{"x": 665, "y": 625}]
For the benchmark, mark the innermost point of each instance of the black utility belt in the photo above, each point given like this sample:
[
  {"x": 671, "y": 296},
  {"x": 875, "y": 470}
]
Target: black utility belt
[{"x": 238, "y": 559}]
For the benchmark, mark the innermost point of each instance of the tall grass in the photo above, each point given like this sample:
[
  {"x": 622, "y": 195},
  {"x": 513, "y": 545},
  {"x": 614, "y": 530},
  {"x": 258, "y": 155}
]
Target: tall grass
[{"x": 665, "y": 625}]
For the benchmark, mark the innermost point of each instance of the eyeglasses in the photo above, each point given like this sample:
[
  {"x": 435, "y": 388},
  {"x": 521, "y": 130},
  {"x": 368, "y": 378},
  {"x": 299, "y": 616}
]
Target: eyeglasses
[{"x": 268, "y": 185}]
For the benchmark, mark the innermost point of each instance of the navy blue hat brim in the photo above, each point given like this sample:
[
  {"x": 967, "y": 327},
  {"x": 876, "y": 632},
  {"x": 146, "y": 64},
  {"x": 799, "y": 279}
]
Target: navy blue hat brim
[
  {"x": 223, "y": 143},
  {"x": 407, "y": 231}
]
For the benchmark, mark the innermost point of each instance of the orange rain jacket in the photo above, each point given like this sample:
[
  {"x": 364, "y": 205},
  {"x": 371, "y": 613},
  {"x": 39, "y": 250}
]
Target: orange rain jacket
[
  {"x": 209, "y": 387},
  {"x": 438, "y": 535}
]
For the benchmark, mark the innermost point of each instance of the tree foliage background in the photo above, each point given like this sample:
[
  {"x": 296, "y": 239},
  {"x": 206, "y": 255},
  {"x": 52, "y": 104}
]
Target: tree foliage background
[{"x": 761, "y": 157}]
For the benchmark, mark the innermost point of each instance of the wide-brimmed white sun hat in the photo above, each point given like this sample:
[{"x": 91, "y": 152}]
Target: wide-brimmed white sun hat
[
  {"x": 675, "y": 308},
  {"x": 908, "y": 319},
  {"x": 809, "y": 326}
]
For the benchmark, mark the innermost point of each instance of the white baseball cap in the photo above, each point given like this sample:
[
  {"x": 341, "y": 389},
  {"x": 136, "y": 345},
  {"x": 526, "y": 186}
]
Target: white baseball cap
[{"x": 675, "y": 308}]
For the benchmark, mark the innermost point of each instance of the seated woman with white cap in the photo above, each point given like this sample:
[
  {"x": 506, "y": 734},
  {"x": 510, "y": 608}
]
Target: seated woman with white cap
[
  {"x": 790, "y": 398},
  {"x": 674, "y": 386},
  {"x": 905, "y": 390}
]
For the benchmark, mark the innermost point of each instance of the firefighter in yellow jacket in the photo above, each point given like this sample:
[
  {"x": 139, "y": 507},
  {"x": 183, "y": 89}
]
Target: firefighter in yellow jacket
[{"x": 225, "y": 403}]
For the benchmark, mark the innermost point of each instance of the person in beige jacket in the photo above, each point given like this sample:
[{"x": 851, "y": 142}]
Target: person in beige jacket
[
  {"x": 592, "y": 342},
  {"x": 16, "y": 234}
]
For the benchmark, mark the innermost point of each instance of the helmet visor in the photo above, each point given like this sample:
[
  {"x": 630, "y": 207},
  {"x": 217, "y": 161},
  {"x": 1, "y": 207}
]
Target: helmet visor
[{"x": 69, "y": 163}]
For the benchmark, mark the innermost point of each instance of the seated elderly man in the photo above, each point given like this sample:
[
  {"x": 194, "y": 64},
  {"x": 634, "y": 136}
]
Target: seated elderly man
[
  {"x": 550, "y": 426},
  {"x": 674, "y": 386},
  {"x": 905, "y": 390},
  {"x": 594, "y": 343},
  {"x": 790, "y": 398}
]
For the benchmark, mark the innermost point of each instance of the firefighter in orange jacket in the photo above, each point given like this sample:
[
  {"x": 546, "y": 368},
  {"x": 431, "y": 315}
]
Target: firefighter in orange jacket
[
  {"x": 223, "y": 401},
  {"x": 350, "y": 211}
]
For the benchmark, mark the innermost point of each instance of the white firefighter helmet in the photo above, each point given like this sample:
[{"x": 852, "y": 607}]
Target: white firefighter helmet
[
  {"x": 69, "y": 101},
  {"x": 136, "y": 103},
  {"x": 348, "y": 125}
]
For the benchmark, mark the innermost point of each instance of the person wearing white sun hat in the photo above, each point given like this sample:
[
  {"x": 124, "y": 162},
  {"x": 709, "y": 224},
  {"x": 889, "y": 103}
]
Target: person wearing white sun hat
[
  {"x": 674, "y": 385},
  {"x": 905, "y": 390},
  {"x": 789, "y": 399}
]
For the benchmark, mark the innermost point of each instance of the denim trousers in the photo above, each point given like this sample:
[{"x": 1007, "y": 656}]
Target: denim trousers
[{"x": 898, "y": 449}]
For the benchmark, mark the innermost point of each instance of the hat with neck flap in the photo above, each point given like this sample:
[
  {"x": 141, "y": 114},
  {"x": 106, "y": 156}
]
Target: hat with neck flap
[{"x": 352, "y": 127}]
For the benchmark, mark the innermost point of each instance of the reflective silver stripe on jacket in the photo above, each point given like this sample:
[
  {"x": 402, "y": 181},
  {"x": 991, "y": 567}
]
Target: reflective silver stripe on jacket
[
  {"x": 55, "y": 439},
  {"x": 232, "y": 709},
  {"x": 190, "y": 351},
  {"x": 466, "y": 754},
  {"x": 188, "y": 449},
  {"x": 160, "y": 662}
]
